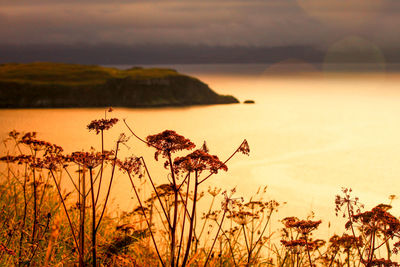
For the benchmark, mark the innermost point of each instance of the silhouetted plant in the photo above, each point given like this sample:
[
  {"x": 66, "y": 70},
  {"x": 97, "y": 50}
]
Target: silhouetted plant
[
  {"x": 185, "y": 173},
  {"x": 26, "y": 225}
]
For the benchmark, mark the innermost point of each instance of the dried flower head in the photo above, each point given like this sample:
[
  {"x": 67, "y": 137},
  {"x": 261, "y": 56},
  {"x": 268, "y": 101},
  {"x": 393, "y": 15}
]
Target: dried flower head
[
  {"x": 301, "y": 226},
  {"x": 199, "y": 161},
  {"x": 131, "y": 165},
  {"x": 14, "y": 134},
  {"x": 102, "y": 124},
  {"x": 50, "y": 162},
  {"x": 214, "y": 192},
  {"x": 352, "y": 204},
  {"x": 212, "y": 215},
  {"x": 168, "y": 142},
  {"x": 243, "y": 217},
  {"x": 20, "y": 159},
  {"x": 229, "y": 201},
  {"x": 294, "y": 244},
  {"x": 345, "y": 241},
  {"x": 163, "y": 190},
  {"x": 381, "y": 262},
  {"x": 244, "y": 148},
  {"x": 378, "y": 220},
  {"x": 89, "y": 159},
  {"x": 30, "y": 140}
]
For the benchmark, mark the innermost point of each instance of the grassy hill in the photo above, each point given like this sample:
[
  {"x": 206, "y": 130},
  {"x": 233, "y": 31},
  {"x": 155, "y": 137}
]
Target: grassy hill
[{"x": 36, "y": 85}]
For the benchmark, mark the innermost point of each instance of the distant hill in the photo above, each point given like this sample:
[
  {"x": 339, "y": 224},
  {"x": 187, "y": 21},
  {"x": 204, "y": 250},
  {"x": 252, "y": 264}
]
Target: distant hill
[
  {"x": 51, "y": 85},
  {"x": 115, "y": 54}
]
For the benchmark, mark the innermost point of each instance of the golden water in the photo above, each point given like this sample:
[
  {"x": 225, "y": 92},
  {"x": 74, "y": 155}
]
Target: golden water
[{"x": 309, "y": 136}]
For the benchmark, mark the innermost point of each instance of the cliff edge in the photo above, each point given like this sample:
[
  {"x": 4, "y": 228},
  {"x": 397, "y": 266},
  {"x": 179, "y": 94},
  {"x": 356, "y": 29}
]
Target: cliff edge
[{"x": 58, "y": 85}]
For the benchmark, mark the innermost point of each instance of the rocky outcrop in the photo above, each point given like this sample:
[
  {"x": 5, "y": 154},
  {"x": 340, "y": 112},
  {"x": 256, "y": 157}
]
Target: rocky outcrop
[{"x": 45, "y": 85}]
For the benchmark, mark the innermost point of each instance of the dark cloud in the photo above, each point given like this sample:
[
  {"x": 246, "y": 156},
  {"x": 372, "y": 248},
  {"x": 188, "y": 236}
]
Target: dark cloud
[{"x": 224, "y": 22}]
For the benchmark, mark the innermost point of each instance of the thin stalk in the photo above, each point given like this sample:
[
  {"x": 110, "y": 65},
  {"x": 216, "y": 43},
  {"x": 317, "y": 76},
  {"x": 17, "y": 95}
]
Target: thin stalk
[
  {"x": 37, "y": 246},
  {"x": 215, "y": 239},
  {"x": 174, "y": 222},
  {"x": 137, "y": 137},
  {"x": 93, "y": 220},
  {"x": 145, "y": 217},
  {"x": 245, "y": 238},
  {"x": 66, "y": 213},
  {"x": 82, "y": 220},
  {"x": 263, "y": 231},
  {"x": 72, "y": 180},
  {"x": 101, "y": 166},
  {"x": 348, "y": 257},
  {"x": 308, "y": 250},
  {"x": 14, "y": 189},
  {"x": 284, "y": 259},
  {"x": 231, "y": 156},
  {"x": 229, "y": 243},
  {"x": 35, "y": 221},
  {"x": 184, "y": 220},
  {"x": 352, "y": 230},
  {"x": 384, "y": 242},
  {"x": 109, "y": 186},
  {"x": 372, "y": 249},
  {"x": 185, "y": 205},
  {"x": 205, "y": 221},
  {"x": 333, "y": 258},
  {"x": 23, "y": 220},
  {"x": 251, "y": 241},
  {"x": 155, "y": 190},
  {"x": 184, "y": 180},
  {"x": 43, "y": 194},
  {"x": 389, "y": 253},
  {"x": 192, "y": 217},
  {"x": 34, "y": 205}
]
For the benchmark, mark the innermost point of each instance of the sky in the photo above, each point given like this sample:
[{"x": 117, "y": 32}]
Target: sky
[{"x": 205, "y": 22}]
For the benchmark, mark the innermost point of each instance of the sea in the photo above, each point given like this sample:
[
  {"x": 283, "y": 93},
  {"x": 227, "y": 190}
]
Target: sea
[{"x": 311, "y": 132}]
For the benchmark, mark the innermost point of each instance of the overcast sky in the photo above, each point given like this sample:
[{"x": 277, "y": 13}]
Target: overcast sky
[{"x": 211, "y": 22}]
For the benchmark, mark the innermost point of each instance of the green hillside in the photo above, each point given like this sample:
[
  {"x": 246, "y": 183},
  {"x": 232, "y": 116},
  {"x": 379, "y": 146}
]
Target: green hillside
[{"x": 36, "y": 85}]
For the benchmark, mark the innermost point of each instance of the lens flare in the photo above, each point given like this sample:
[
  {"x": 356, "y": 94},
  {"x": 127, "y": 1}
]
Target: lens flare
[{"x": 354, "y": 54}]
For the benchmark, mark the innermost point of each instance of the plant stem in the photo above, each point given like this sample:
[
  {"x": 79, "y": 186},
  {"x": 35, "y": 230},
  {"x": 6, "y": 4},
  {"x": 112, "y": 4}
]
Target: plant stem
[
  {"x": 66, "y": 213},
  {"x": 101, "y": 166},
  {"x": 192, "y": 217},
  {"x": 23, "y": 220},
  {"x": 109, "y": 186},
  {"x": 231, "y": 156},
  {"x": 245, "y": 239},
  {"x": 184, "y": 220},
  {"x": 34, "y": 206},
  {"x": 155, "y": 190},
  {"x": 372, "y": 248},
  {"x": 215, "y": 239},
  {"x": 93, "y": 219},
  {"x": 145, "y": 217},
  {"x": 352, "y": 230},
  {"x": 174, "y": 222},
  {"x": 308, "y": 250},
  {"x": 82, "y": 220}
]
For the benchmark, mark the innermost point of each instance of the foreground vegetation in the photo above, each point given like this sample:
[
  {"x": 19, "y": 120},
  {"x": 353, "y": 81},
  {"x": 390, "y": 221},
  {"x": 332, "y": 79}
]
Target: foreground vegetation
[
  {"x": 47, "y": 223},
  {"x": 44, "y": 85}
]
